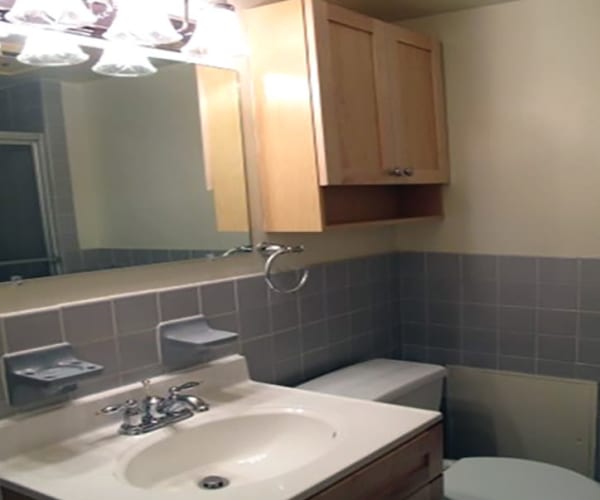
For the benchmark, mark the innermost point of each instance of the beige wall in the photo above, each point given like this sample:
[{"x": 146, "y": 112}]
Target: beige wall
[
  {"x": 523, "y": 96},
  {"x": 85, "y": 177}
]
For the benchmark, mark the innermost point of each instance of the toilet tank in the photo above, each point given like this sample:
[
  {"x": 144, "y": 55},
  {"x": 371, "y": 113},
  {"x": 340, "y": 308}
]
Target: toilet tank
[{"x": 403, "y": 383}]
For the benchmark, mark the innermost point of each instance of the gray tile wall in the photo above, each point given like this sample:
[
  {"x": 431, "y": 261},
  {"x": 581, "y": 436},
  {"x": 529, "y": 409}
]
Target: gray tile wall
[
  {"x": 524, "y": 314},
  {"x": 521, "y": 314},
  {"x": 527, "y": 314},
  {"x": 347, "y": 312},
  {"x": 111, "y": 258}
]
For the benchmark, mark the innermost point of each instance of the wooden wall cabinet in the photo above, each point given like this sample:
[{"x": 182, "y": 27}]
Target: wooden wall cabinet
[{"x": 350, "y": 117}]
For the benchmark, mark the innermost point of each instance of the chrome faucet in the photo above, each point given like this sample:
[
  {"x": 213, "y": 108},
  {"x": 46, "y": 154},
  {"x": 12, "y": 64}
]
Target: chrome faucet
[{"x": 156, "y": 412}]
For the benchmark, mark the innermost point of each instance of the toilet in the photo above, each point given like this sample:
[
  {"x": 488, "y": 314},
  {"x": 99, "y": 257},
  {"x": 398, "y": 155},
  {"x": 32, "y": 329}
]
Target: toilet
[{"x": 420, "y": 385}]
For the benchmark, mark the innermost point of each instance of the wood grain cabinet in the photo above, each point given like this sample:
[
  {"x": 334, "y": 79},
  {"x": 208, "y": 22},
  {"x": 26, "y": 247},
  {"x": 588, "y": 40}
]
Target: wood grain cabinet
[
  {"x": 412, "y": 471},
  {"x": 350, "y": 117}
]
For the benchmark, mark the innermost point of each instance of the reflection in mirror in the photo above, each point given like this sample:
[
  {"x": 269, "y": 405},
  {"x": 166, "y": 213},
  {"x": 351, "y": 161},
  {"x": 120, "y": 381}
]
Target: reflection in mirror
[{"x": 99, "y": 172}]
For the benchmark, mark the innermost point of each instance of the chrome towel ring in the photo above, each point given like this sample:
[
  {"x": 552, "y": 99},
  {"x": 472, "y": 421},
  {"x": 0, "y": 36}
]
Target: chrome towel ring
[{"x": 272, "y": 251}]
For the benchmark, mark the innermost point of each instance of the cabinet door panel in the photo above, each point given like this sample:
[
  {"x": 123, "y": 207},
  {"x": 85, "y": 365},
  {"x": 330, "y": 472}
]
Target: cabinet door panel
[
  {"x": 352, "y": 63},
  {"x": 417, "y": 103}
]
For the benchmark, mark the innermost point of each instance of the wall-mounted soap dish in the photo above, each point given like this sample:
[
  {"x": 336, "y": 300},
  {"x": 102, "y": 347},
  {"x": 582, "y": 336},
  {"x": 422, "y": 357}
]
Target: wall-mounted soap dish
[
  {"x": 190, "y": 341},
  {"x": 32, "y": 377}
]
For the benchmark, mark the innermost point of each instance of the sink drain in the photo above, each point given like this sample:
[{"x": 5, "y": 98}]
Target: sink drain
[{"x": 213, "y": 483}]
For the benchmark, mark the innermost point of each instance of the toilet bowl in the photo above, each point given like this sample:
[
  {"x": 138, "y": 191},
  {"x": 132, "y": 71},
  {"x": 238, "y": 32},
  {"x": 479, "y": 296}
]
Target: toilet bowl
[{"x": 420, "y": 385}]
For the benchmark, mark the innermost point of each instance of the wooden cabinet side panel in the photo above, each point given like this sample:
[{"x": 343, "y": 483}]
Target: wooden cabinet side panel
[
  {"x": 223, "y": 146},
  {"x": 284, "y": 117},
  {"x": 397, "y": 475},
  {"x": 433, "y": 491},
  {"x": 441, "y": 118}
]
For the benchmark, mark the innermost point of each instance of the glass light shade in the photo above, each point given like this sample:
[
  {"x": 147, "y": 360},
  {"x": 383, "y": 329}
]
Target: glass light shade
[
  {"x": 218, "y": 32},
  {"x": 51, "y": 49},
  {"x": 4, "y": 30},
  {"x": 68, "y": 13},
  {"x": 144, "y": 22},
  {"x": 123, "y": 60}
]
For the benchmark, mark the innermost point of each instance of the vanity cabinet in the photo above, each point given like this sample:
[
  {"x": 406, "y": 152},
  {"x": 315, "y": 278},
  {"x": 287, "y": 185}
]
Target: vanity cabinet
[
  {"x": 350, "y": 117},
  {"x": 412, "y": 471}
]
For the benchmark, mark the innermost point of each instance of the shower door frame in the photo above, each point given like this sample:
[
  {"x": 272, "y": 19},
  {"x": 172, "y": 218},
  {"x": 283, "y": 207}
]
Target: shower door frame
[{"x": 43, "y": 182}]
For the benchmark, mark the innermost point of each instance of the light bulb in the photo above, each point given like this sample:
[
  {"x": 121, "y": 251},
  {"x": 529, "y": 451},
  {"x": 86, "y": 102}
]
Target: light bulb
[
  {"x": 67, "y": 13},
  {"x": 51, "y": 49},
  {"x": 123, "y": 60},
  {"x": 218, "y": 32},
  {"x": 144, "y": 22}
]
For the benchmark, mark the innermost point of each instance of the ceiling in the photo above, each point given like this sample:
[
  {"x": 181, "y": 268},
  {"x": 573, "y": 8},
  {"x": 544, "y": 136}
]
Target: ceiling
[{"x": 394, "y": 10}]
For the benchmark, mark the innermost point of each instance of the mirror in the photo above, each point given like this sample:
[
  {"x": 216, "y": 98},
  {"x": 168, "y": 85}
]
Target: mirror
[{"x": 100, "y": 172}]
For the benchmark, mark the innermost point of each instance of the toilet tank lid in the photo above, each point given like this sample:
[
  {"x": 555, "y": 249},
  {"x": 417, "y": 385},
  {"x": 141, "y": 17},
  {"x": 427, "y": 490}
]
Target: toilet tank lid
[{"x": 376, "y": 380}]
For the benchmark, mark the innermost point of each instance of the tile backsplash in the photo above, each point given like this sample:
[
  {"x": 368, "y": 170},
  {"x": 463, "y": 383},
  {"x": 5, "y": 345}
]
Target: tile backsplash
[
  {"x": 525, "y": 314},
  {"x": 349, "y": 311}
]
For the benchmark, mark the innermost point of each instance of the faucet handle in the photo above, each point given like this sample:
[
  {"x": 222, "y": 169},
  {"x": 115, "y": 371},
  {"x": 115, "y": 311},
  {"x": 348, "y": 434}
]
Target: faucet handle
[
  {"x": 128, "y": 406},
  {"x": 183, "y": 387}
]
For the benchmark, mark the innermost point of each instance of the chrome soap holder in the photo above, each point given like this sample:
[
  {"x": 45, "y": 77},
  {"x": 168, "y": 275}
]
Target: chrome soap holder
[{"x": 32, "y": 377}]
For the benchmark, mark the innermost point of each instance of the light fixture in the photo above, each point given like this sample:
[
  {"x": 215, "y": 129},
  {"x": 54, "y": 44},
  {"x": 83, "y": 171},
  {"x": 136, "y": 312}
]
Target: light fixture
[
  {"x": 56, "y": 13},
  {"x": 143, "y": 22},
  {"x": 123, "y": 60},
  {"x": 5, "y": 32},
  {"x": 46, "y": 48},
  {"x": 218, "y": 32}
]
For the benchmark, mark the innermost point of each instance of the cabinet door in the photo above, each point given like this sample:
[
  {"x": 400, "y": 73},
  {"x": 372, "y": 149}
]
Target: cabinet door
[
  {"x": 351, "y": 53},
  {"x": 416, "y": 100}
]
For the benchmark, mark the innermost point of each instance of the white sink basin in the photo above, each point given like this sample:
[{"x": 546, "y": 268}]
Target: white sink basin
[
  {"x": 243, "y": 449},
  {"x": 270, "y": 442}
]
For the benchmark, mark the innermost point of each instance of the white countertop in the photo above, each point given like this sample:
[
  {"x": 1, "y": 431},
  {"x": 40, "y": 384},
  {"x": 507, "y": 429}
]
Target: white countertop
[{"x": 37, "y": 454}]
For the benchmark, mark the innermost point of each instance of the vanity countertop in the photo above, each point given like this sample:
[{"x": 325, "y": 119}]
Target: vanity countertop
[{"x": 59, "y": 454}]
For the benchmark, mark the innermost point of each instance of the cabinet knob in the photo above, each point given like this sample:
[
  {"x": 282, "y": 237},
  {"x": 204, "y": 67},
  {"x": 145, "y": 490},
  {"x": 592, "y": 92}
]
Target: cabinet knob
[{"x": 402, "y": 172}]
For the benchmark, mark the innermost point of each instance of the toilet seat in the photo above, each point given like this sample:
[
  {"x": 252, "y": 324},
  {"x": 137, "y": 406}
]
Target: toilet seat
[{"x": 514, "y": 479}]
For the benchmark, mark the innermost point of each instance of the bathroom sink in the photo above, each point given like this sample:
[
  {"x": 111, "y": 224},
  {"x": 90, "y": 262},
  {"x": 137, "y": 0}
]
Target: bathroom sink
[
  {"x": 269, "y": 442},
  {"x": 242, "y": 449}
]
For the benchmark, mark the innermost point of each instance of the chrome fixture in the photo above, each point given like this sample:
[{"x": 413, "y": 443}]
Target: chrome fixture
[
  {"x": 236, "y": 250},
  {"x": 272, "y": 251},
  {"x": 402, "y": 172},
  {"x": 155, "y": 412}
]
